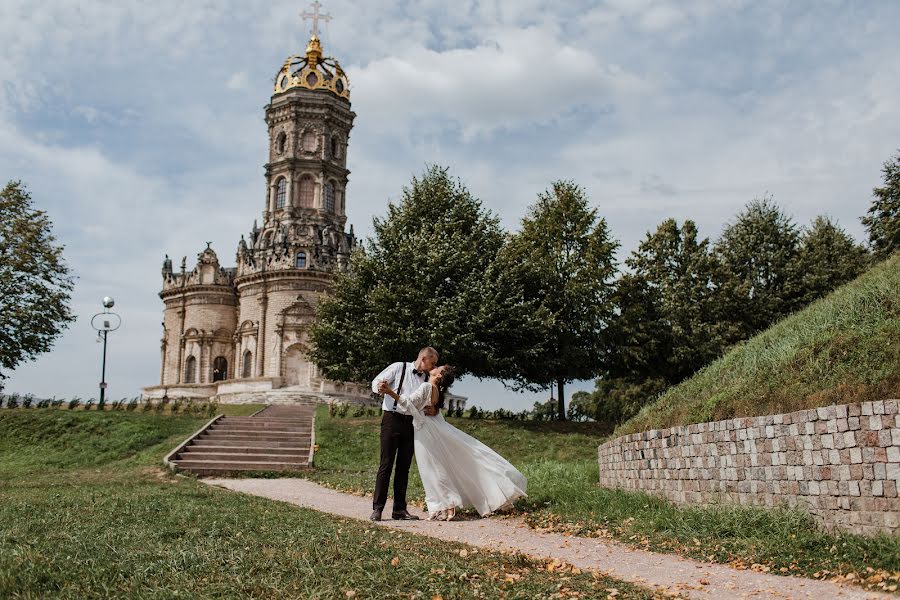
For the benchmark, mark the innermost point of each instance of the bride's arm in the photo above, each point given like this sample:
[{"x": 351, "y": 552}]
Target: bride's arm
[{"x": 413, "y": 400}]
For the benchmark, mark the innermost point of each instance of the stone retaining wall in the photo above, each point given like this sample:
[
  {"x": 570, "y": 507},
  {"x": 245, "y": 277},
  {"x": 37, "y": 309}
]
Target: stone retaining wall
[{"x": 842, "y": 463}]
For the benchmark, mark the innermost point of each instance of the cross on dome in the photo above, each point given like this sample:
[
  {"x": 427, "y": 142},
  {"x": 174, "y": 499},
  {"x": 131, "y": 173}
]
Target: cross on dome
[{"x": 315, "y": 16}]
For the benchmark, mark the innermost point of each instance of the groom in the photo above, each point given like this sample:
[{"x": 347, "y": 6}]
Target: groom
[{"x": 397, "y": 431}]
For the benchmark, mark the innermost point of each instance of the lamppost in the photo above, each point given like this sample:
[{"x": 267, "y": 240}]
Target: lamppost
[{"x": 105, "y": 322}]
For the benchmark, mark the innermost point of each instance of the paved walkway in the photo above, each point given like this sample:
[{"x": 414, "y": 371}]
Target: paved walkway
[{"x": 664, "y": 572}]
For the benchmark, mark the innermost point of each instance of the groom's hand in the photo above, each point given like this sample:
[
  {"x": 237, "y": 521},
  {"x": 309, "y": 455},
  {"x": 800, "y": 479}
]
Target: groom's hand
[
  {"x": 383, "y": 387},
  {"x": 430, "y": 411}
]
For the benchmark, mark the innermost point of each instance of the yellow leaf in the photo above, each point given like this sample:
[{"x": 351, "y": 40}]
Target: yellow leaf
[
  {"x": 395, "y": 561},
  {"x": 350, "y": 593},
  {"x": 463, "y": 553}
]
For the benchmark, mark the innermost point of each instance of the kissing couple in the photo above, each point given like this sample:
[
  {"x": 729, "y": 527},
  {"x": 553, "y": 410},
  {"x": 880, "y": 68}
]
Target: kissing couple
[{"x": 457, "y": 470}]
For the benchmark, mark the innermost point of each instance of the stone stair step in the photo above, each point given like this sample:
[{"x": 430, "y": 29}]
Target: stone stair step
[
  {"x": 251, "y": 428},
  {"x": 289, "y": 451},
  {"x": 257, "y": 443},
  {"x": 229, "y": 466},
  {"x": 253, "y": 435},
  {"x": 237, "y": 457}
]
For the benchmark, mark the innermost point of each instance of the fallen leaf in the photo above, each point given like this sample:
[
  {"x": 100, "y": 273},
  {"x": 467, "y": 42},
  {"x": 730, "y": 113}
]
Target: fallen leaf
[{"x": 395, "y": 561}]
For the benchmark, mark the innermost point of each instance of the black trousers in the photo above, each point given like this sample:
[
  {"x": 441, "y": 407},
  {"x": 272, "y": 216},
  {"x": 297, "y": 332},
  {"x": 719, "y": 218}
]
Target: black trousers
[{"x": 396, "y": 444}]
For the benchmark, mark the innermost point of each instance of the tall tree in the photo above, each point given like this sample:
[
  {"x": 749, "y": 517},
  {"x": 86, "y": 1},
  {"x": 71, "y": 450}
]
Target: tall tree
[
  {"x": 428, "y": 277},
  {"x": 757, "y": 275},
  {"x": 565, "y": 253},
  {"x": 667, "y": 325},
  {"x": 828, "y": 258},
  {"x": 35, "y": 282},
  {"x": 883, "y": 219}
]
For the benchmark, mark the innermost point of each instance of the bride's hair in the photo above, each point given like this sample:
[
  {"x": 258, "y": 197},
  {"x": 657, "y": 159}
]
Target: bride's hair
[{"x": 448, "y": 375}]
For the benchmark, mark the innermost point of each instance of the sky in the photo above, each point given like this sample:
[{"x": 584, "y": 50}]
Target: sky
[{"x": 138, "y": 126}]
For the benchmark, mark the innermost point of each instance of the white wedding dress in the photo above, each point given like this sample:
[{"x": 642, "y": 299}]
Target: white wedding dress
[{"x": 457, "y": 470}]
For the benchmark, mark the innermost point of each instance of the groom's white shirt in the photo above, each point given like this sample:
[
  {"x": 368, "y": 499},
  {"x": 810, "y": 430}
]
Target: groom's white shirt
[{"x": 392, "y": 375}]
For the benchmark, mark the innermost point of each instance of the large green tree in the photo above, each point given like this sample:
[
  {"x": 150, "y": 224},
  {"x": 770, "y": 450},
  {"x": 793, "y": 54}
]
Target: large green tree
[
  {"x": 828, "y": 258},
  {"x": 566, "y": 255},
  {"x": 883, "y": 219},
  {"x": 428, "y": 277},
  {"x": 35, "y": 282},
  {"x": 667, "y": 324},
  {"x": 758, "y": 274}
]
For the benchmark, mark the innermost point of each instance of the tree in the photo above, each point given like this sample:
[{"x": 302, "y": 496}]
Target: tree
[
  {"x": 883, "y": 219},
  {"x": 828, "y": 258},
  {"x": 35, "y": 283},
  {"x": 666, "y": 325},
  {"x": 757, "y": 271},
  {"x": 564, "y": 255},
  {"x": 428, "y": 277}
]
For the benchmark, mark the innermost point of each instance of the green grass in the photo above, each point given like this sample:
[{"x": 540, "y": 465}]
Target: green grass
[
  {"x": 840, "y": 349},
  {"x": 87, "y": 512},
  {"x": 559, "y": 460}
]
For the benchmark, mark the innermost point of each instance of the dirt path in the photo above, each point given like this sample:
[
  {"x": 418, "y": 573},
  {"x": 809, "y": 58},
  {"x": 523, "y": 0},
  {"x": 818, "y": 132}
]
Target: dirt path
[{"x": 664, "y": 572}]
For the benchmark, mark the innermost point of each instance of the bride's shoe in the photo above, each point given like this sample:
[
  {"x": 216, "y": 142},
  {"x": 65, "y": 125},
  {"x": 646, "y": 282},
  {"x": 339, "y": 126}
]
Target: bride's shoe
[{"x": 451, "y": 514}]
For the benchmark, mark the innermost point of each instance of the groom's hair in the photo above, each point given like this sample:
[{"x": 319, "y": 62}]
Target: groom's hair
[
  {"x": 448, "y": 376},
  {"x": 429, "y": 350}
]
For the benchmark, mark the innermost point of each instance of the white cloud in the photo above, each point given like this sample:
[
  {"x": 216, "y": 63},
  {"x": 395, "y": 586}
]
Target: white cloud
[{"x": 238, "y": 81}]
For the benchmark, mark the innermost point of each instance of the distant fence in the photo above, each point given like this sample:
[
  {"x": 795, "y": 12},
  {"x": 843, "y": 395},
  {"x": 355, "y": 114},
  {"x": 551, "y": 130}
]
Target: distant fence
[{"x": 842, "y": 463}]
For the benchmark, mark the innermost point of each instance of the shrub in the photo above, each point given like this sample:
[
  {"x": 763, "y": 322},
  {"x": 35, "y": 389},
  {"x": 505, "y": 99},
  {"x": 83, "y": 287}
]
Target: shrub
[
  {"x": 148, "y": 405},
  {"x": 359, "y": 411},
  {"x": 89, "y": 404},
  {"x": 56, "y": 403},
  {"x": 341, "y": 410},
  {"x": 132, "y": 404},
  {"x": 74, "y": 402},
  {"x": 211, "y": 408},
  {"x": 12, "y": 401},
  {"x": 27, "y": 400},
  {"x": 43, "y": 403},
  {"x": 176, "y": 406}
]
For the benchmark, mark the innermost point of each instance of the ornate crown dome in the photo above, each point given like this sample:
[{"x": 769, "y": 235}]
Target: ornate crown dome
[{"x": 313, "y": 71}]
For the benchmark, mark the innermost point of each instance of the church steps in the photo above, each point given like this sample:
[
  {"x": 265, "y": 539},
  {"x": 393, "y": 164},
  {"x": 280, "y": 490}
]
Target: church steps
[{"x": 279, "y": 440}]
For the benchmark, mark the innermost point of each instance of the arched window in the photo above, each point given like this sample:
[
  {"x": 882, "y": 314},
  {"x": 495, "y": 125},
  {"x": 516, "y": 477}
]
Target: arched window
[
  {"x": 329, "y": 197},
  {"x": 307, "y": 191},
  {"x": 280, "y": 192},
  {"x": 309, "y": 141},
  {"x": 220, "y": 369},
  {"x": 247, "y": 367},
  {"x": 301, "y": 260},
  {"x": 190, "y": 370},
  {"x": 281, "y": 143}
]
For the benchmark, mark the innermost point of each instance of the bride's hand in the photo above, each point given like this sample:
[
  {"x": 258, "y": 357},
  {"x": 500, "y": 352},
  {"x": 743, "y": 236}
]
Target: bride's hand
[{"x": 430, "y": 411}]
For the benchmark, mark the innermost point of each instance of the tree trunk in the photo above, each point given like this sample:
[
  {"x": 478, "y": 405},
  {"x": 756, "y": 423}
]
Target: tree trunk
[{"x": 560, "y": 388}]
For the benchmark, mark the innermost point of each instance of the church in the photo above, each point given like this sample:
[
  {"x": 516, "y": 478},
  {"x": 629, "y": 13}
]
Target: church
[{"x": 240, "y": 334}]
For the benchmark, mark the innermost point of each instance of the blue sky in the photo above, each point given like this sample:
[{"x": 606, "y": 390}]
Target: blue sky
[{"x": 139, "y": 126}]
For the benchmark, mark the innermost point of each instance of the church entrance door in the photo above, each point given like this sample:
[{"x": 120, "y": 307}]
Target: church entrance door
[{"x": 296, "y": 367}]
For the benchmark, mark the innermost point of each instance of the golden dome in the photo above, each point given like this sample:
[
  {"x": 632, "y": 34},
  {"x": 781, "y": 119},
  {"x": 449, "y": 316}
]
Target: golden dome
[{"x": 313, "y": 72}]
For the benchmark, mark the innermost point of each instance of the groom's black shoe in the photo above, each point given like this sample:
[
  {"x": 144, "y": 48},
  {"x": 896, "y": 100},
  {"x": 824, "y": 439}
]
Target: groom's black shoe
[
  {"x": 403, "y": 516},
  {"x": 375, "y": 516}
]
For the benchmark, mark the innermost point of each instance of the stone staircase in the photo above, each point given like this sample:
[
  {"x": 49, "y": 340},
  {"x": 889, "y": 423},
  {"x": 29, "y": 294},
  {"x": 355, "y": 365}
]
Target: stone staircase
[{"x": 278, "y": 438}]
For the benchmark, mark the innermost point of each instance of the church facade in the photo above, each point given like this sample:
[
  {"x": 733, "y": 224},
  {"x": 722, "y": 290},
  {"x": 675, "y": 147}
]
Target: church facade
[{"x": 240, "y": 333}]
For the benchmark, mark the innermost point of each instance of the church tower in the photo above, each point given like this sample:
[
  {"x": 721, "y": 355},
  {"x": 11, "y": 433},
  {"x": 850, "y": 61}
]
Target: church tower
[
  {"x": 292, "y": 258},
  {"x": 241, "y": 334}
]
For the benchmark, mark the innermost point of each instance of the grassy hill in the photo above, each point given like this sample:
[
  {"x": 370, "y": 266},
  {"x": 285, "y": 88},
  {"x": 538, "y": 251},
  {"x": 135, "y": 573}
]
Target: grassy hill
[{"x": 842, "y": 348}]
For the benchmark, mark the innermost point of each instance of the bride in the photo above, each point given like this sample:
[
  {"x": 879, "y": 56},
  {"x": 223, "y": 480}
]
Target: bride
[{"x": 457, "y": 470}]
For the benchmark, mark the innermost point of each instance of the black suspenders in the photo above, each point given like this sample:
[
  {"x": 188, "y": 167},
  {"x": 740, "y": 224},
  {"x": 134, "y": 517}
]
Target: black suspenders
[{"x": 400, "y": 387}]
